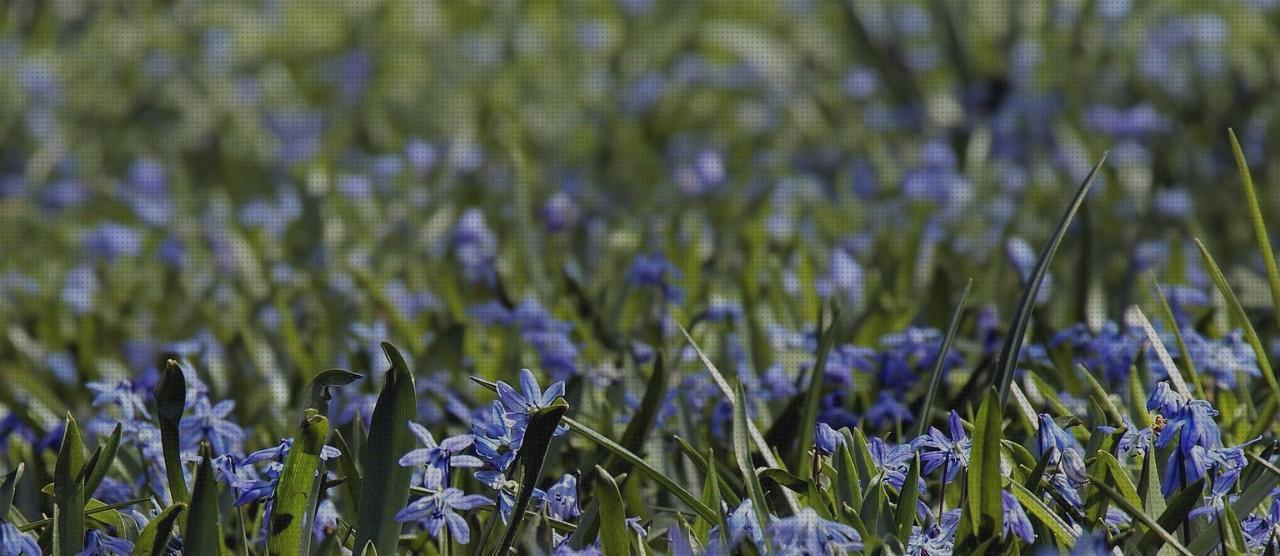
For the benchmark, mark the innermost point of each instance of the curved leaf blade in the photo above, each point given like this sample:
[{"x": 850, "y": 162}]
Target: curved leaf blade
[
  {"x": 154, "y": 539},
  {"x": 384, "y": 488},
  {"x": 290, "y": 523},
  {"x": 613, "y": 518}
]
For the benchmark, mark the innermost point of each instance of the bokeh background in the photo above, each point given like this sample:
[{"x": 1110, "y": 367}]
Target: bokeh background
[{"x": 272, "y": 187}]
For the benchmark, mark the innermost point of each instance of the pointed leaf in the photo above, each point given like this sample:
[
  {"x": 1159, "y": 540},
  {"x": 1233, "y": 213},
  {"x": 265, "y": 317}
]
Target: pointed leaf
[
  {"x": 939, "y": 364},
  {"x": 385, "y": 483},
  {"x": 813, "y": 396},
  {"x": 171, "y": 401},
  {"x": 985, "y": 506},
  {"x": 742, "y": 454},
  {"x": 613, "y": 519},
  {"x": 154, "y": 539},
  {"x": 202, "y": 533},
  {"x": 290, "y": 525},
  {"x": 1242, "y": 320},
  {"x": 68, "y": 492},
  {"x": 1007, "y": 362}
]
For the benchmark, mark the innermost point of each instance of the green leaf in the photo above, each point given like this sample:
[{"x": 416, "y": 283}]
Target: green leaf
[
  {"x": 104, "y": 462},
  {"x": 1103, "y": 397},
  {"x": 384, "y": 488},
  {"x": 812, "y": 397},
  {"x": 1155, "y": 528},
  {"x": 710, "y": 497},
  {"x": 1237, "y": 313},
  {"x": 350, "y": 469},
  {"x": 907, "y": 498},
  {"x": 154, "y": 539},
  {"x": 642, "y": 421},
  {"x": 1007, "y": 362},
  {"x": 322, "y": 382},
  {"x": 1259, "y": 223},
  {"x": 533, "y": 453},
  {"x": 935, "y": 378},
  {"x": 68, "y": 492},
  {"x": 613, "y": 519},
  {"x": 202, "y": 532},
  {"x": 1062, "y": 533},
  {"x": 636, "y": 462},
  {"x": 742, "y": 454},
  {"x": 7, "y": 489},
  {"x": 290, "y": 528},
  {"x": 1166, "y": 312},
  {"x": 985, "y": 507},
  {"x": 171, "y": 401},
  {"x": 848, "y": 484},
  {"x": 1176, "y": 512},
  {"x": 1149, "y": 485}
]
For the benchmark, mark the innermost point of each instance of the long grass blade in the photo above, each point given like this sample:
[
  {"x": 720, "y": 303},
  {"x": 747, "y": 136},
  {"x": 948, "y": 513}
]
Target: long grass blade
[
  {"x": 1007, "y": 362},
  {"x": 939, "y": 365}
]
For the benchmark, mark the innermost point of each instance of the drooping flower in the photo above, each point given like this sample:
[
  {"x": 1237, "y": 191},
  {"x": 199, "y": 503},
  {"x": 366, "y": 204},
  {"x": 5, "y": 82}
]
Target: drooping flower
[
  {"x": 741, "y": 524},
  {"x": 98, "y": 543},
  {"x": 1015, "y": 518},
  {"x": 562, "y": 498},
  {"x": 825, "y": 439}
]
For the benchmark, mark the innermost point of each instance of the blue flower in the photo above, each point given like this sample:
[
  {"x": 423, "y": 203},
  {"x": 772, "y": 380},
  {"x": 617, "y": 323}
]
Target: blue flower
[
  {"x": 807, "y": 533},
  {"x": 888, "y": 411},
  {"x": 944, "y": 450},
  {"x": 98, "y": 543},
  {"x": 439, "y": 458},
  {"x": 937, "y": 539},
  {"x": 16, "y": 543},
  {"x": 562, "y": 498},
  {"x": 121, "y": 394},
  {"x": 209, "y": 422},
  {"x": 438, "y": 510},
  {"x": 475, "y": 247},
  {"x": 1015, "y": 518},
  {"x": 326, "y": 520},
  {"x": 531, "y": 398},
  {"x": 657, "y": 272},
  {"x": 825, "y": 439},
  {"x": 741, "y": 524}
]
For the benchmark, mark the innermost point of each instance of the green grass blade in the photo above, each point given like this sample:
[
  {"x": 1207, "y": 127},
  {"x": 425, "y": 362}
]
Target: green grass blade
[
  {"x": 1259, "y": 224},
  {"x": 813, "y": 397},
  {"x": 1062, "y": 533},
  {"x": 752, "y": 431},
  {"x": 711, "y": 497},
  {"x": 1177, "y": 509},
  {"x": 171, "y": 401},
  {"x": 533, "y": 453},
  {"x": 7, "y": 489},
  {"x": 1237, "y": 313},
  {"x": 742, "y": 454},
  {"x": 642, "y": 421},
  {"x": 935, "y": 378},
  {"x": 350, "y": 470},
  {"x": 1103, "y": 397},
  {"x": 154, "y": 539},
  {"x": 907, "y": 498},
  {"x": 290, "y": 527},
  {"x": 202, "y": 532},
  {"x": 1166, "y": 312},
  {"x": 613, "y": 518},
  {"x": 1007, "y": 362},
  {"x": 384, "y": 488},
  {"x": 104, "y": 462},
  {"x": 68, "y": 492},
  {"x": 985, "y": 507},
  {"x": 636, "y": 462}
]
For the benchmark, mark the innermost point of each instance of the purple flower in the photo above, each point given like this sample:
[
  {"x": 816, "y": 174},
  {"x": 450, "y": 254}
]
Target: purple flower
[
  {"x": 98, "y": 543},
  {"x": 741, "y": 524},
  {"x": 475, "y": 246},
  {"x": 807, "y": 533},
  {"x": 121, "y": 394},
  {"x": 531, "y": 398},
  {"x": 439, "y": 458},
  {"x": 657, "y": 272},
  {"x": 562, "y": 498},
  {"x": 888, "y": 411},
  {"x": 16, "y": 543},
  {"x": 209, "y": 422},
  {"x": 1015, "y": 519},
  {"x": 438, "y": 510},
  {"x": 825, "y": 439},
  {"x": 944, "y": 450}
]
